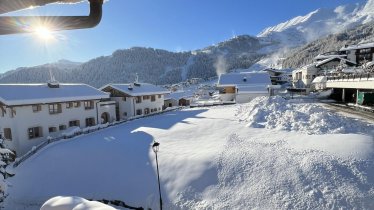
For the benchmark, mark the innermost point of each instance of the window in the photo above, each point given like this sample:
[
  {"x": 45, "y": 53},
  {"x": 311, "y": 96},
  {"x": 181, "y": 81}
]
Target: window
[
  {"x": 62, "y": 127},
  {"x": 153, "y": 98},
  {"x": 146, "y": 97},
  {"x": 35, "y": 132},
  {"x": 36, "y": 108},
  {"x": 159, "y": 96},
  {"x": 54, "y": 108},
  {"x": 138, "y": 99},
  {"x": 146, "y": 111},
  {"x": 69, "y": 105},
  {"x": 52, "y": 129},
  {"x": 88, "y": 105},
  {"x": 125, "y": 114},
  {"x": 90, "y": 122},
  {"x": 139, "y": 112},
  {"x": 77, "y": 104},
  {"x": 123, "y": 98},
  {"x": 74, "y": 123},
  {"x": 8, "y": 133}
]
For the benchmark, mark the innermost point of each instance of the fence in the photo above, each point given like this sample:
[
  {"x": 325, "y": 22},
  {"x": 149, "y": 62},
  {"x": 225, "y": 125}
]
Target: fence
[{"x": 37, "y": 148}]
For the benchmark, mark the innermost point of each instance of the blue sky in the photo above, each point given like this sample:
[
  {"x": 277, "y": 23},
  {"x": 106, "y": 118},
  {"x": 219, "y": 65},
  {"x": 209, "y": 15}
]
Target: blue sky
[{"x": 175, "y": 25}]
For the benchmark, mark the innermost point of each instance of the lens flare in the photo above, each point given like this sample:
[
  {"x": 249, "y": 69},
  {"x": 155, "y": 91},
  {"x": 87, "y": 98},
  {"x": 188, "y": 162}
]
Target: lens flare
[{"x": 43, "y": 33}]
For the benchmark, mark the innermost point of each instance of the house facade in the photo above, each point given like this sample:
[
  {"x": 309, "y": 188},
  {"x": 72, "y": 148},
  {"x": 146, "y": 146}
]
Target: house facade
[
  {"x": 136, "y": 99},
  {"x": 32, "y": 113},
  {"x": 360, "y": 53},
  {"x": 242, "y": 87}
]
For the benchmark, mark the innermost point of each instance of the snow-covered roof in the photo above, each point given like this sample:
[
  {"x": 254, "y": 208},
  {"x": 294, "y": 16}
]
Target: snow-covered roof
[
  {"x": 246, "y": 82},
  {"x": 320, "y": 79},
  {"x": 282, "y": 71},
  {"x": 181, "y": 94},
  {"x": 22, "y": 94},
  {"x": 243, "y": 79},
  {"x": 138, "y": 89},
  {"x": 331, "y": 58},
  {"x": 325, "y": 56},
  {"x": 358, "y": 46}
]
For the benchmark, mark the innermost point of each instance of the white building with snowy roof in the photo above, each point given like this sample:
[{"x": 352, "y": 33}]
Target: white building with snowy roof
[
  {"x": 30, "y": 113},
  {"x": 243, "y": 87},
  {"x": 136, "y": 99}
]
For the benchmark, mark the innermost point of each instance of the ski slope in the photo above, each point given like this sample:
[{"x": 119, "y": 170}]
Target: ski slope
[{"x": 210, "y": 158}]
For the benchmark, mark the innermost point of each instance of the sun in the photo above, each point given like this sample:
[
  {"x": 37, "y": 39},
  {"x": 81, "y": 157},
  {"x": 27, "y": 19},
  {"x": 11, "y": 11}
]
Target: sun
[{"x": 43, "y": 33}]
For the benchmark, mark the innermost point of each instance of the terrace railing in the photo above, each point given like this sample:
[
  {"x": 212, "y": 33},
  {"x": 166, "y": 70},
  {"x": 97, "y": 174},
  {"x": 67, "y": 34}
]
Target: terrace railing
[{"x": 351, "y": 77}]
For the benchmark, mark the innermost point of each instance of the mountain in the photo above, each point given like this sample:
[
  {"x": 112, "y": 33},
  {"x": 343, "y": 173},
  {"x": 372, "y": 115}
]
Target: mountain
[
  {"x": 152, "y": 65},
  {"x": 304, "y": 55},
  {"x": 317, "y": 24},
  {"x": 270, "y": 48}
]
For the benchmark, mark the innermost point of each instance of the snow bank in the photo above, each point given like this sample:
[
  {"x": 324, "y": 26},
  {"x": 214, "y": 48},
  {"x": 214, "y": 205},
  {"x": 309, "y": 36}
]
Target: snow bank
[
  {"x": 73, "y": 203},
  {"x": 261, "y": 175},
  {"x": 291, "y": 115}
]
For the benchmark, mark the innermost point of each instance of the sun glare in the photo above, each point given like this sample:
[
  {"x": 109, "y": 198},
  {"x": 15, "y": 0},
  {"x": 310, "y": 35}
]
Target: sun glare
[{"x": 44, "y": 33}]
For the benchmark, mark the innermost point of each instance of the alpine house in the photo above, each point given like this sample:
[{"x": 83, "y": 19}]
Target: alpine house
[{"x": 32, "y": 113}]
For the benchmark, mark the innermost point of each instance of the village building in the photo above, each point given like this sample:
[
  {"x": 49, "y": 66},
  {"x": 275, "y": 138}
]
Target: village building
[
  {"x": 360, "y": 54},
  {"x": 323, "y": 64},
  {"x": 170, "y": 102},
  {"x": 280, "y": 76},
  {"x": 136, "y": 99},
  {"x": 242, "y": 87},
  {"x": 32, "y": 113}
]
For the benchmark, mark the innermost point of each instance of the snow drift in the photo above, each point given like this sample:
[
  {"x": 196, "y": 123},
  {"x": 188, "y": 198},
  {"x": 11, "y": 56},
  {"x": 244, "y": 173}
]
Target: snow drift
[{"x": 278, "y": 113}]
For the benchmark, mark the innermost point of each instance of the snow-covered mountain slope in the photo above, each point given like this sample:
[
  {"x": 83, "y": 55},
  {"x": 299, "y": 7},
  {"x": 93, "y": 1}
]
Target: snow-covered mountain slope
[
  {"x": 228, "y": 157},
  {"x": 317, "y": 24},
  {"x": 152, "y": 65},
  {"x": 243, "y": 52},
  {"x": 304, "y": 55}
]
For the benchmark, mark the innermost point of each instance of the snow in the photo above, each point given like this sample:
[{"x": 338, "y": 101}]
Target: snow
[
  {"x": 305, "y": 117},
  {"x": 137, "y": 90},
  {"x": 20, "y": 94},
  {"x": 210, "y": 158},
  {"x": 319, "y": 79},
  {"x": 331, "y": 58},
  {"x": 245, "y": 80},
  {"x": 301, "y": 30},
  {"x": 73, "y": 203},
  {"x": 358, "y": 46}
]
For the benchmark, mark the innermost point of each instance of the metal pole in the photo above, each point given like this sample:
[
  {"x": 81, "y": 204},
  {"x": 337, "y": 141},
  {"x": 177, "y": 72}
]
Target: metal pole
[{"x": 158, "y": 178}]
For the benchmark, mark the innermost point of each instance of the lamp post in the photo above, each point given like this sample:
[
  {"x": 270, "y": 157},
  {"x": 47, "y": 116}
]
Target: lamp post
[{"x": 155, "y": 148}]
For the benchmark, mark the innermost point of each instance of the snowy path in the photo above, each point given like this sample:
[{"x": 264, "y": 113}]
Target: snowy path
[{"x": 208, "y": 160}]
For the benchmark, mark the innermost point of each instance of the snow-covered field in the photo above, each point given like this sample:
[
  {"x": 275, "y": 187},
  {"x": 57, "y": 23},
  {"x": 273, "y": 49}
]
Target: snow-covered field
[{"x": 257, "y": 155}]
